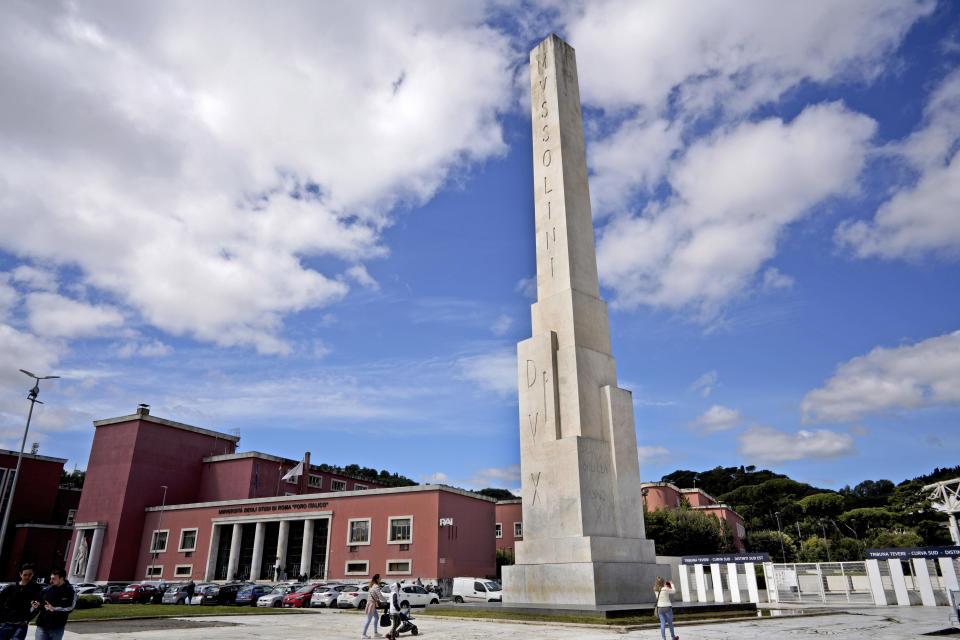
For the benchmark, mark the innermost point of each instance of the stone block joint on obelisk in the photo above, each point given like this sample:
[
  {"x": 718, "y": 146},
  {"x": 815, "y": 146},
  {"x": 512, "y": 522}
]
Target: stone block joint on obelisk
[{"x": 582, "y": 511}]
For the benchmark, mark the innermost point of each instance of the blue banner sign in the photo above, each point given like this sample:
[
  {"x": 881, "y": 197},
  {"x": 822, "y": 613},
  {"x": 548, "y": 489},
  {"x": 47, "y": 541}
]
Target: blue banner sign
[
  {"x": 915, "y": 552},
  {"x": 724, "y": 558}
]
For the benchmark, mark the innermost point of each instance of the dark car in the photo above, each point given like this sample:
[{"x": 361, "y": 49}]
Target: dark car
[
  {"x": 250, "y": 593},
  {"x": 137, "y": 594},
  {"x": 222, "y": 594}
]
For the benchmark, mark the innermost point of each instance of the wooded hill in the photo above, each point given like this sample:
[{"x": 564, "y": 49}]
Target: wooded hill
[{"x": 815, "y": 521}]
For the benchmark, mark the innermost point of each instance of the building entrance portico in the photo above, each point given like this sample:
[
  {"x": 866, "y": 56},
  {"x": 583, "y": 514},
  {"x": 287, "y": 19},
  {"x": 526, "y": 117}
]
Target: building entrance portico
[{"x": 253, "y": 548}]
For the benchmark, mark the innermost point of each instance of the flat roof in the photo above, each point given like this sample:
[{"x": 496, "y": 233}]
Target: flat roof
[
  {"x": 168, "y": 423},
  {"x": 329, "y": 494},
  {"x": 33, "y": 456}
]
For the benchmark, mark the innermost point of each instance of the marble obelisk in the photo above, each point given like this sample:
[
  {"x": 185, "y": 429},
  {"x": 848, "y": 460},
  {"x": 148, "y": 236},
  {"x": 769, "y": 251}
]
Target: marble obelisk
[{"x": 583, "y": 539}]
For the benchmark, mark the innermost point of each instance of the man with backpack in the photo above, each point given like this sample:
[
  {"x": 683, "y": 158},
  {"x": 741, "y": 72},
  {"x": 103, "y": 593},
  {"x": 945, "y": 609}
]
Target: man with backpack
[
  {"x": 55, "y": 604},
  {"x": 15, "y": 605}
]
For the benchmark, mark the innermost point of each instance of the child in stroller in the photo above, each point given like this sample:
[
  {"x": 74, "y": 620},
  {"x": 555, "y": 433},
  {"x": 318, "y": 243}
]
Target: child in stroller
[{"x": 405, "y": 618}]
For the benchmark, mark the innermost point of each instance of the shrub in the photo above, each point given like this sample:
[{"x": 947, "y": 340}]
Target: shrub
[{"x": 88, "y": 602}]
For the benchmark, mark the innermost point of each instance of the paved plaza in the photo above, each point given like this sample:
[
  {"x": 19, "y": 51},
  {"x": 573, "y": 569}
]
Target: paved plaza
[{"x": 861, "y": 624}]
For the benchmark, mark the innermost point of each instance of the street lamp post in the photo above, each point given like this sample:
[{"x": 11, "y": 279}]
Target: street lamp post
[
  {"x": 783, "y": 551},
  {"x": 153, "y": 539},
  {"x": 826, "y": 542},
  {"x": 32, "y": 396}
]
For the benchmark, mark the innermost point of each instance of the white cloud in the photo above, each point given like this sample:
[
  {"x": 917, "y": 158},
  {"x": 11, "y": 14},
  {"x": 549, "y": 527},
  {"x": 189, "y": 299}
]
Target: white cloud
[
  {"x": 652, "y": 455},
  {"x": 922, "y": 216},
  {"x": 53, "y": 315},
  {"x": 705, "y": 383},
  {"x": 144, "y": 348},
  {"x": 495, "y": 477},
  {"x": 435, "y": 478},
  {"x": 766, "y": 445},
  {"x": 707, "y": 243},
  {"x": 359, "y": 273},
  {"x": 923, "y": 374},
  {"x": 495, "y": 372},
  {"x": 773, "y": 279},
  {"x": 527, "y": 287},
  {"x": 34, "y": 278},
  {"x": 717, "y": 418},
  {"x": 186, "y": 164},
  {"x": 501, "y": 325},
  {"x": 8, "y": 296}
]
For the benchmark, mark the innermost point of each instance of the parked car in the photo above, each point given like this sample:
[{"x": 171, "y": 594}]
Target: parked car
[
  {"x": 199, "y": 591},
  {"x": 137, "y": 594},
  {"x": 355, "y": 597},
  {"x": 275, "y": 597},
  {"x": 161, "y": 591},
  {"x": 476, "y": 590},
  {"x": 175, "y": 594},
  {"x": 326, "y": 596},
  {"x": 412, "y": 595},
  {"x": 249, "y": 594},
  {"x": 109, "y": 593},
  {"x": 300, "y": 597},
  {"x": 222, "y": 594}
]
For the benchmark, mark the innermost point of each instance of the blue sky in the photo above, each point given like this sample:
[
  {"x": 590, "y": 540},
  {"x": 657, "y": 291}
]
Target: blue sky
[{"x": 313, "y": 225}]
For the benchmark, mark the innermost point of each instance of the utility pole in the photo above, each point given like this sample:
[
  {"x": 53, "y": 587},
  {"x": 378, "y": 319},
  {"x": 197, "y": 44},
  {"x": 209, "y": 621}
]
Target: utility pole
[
  {"x": 783, "y": 551},
  {"x": 826, "y": 542}
]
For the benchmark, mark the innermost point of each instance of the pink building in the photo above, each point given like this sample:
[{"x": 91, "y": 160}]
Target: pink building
[
  {"x": 665, "y": 495},
  {"x": 166, "y": 500},
  {"x": 509, "y": 525}
]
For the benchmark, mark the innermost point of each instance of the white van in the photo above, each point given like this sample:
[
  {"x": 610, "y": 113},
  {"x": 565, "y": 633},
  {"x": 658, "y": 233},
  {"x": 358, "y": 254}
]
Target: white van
[{"x": 476, "y": 590}]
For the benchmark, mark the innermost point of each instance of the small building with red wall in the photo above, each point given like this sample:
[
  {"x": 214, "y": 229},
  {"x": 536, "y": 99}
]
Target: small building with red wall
[
  {"x": 666, "y": 495},
  {"x": 509, "y": 524},
  {"x": 41, "y": 515},
  {"x": 167, "y": 500}
]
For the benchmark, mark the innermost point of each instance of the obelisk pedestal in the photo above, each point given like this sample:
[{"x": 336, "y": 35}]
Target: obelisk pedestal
[{"x": 584, "y": 542}]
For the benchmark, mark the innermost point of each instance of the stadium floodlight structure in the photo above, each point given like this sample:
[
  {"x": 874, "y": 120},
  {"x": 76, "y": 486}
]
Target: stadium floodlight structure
[
  {"x": 945, "y": 496},
  {"x": 32, "y": 397}
]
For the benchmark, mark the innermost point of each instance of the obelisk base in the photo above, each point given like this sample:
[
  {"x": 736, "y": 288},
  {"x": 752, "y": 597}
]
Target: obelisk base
[{"x": 582, "y": 583}]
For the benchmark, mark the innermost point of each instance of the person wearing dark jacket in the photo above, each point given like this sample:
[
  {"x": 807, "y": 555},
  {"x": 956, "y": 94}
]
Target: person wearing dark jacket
[
  {"x": 15, "y": 605},
  {"x": 55, "y": 604}
]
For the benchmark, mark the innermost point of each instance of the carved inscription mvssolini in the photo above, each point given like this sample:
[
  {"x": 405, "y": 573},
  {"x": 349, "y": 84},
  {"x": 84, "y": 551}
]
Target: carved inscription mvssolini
[{"x": 541, "y": 117}]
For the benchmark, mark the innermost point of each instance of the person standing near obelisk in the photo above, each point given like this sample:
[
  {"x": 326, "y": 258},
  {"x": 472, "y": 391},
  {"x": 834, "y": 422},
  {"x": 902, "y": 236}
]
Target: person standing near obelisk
[{"x": 584, "y": 541}]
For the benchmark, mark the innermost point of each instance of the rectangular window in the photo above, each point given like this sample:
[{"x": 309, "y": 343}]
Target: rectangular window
[
  {"x": 359, "y": 487},
  {"x": 158, "y": 543},
  {"x": 400, "y": 530},
  {"x": 71, "y": 517},
  {"x": 188, "y": 540},
  {"x": 183, "y": 571},
  {"x": 338, "y": 485},
  {"x": 517, "y": 529},
  {"x": 357, "y": 568},
  {"x": 315, "y": 482},
  {"x": 293, "y": 480},
  {"x": 395, "y": 567},
  {"x": 499, "y": 530},
  {"x": 155, "y": 571},
  {"x": 358, "y": 531}
]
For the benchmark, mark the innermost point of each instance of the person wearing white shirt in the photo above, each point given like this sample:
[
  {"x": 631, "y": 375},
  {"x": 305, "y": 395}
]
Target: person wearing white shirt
[{"x": 663, "y": 588}]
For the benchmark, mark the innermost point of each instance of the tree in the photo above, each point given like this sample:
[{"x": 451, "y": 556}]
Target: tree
[
  {"x": 822, "y": 505},
  {"x": 499, "y": 494},
  {"x": 683, "y": 532},
  {"x": 769, "y": 541}
]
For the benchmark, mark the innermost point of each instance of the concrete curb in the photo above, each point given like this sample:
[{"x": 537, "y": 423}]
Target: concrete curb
[{"x": 195, "y": 615}]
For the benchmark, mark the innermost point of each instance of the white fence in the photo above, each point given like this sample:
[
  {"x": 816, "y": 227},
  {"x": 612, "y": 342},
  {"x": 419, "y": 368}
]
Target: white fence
[{"x": 896, "y": 582}]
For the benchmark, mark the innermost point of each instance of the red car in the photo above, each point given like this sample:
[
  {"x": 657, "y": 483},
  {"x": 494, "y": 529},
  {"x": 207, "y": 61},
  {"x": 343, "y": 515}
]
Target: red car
[
  {"x": 301, "y": 597},
  {"x": 137, "y": 593}
]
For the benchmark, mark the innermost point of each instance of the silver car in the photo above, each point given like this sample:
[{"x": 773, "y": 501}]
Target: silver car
[
  {"x": 327, "y": 596},
  {"x": 275, "y": 597}
]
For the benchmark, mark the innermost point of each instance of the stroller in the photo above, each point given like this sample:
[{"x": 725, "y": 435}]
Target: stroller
[{"x": 405, "y": 625}]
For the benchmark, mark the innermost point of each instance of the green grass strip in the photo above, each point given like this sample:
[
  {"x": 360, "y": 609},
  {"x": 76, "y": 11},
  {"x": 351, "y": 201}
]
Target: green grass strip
[{"x": 109, "y": 611}]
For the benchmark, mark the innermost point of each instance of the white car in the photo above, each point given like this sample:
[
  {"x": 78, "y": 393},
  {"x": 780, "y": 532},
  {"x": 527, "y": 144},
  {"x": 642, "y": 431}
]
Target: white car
[
  {"x": 353, "y": 597},
  {"x": 275, "y": 597},
  {"x": 412, "y": 595},
  {"x": 476, "y": 590},
  {"x": 327, "y": 596}
]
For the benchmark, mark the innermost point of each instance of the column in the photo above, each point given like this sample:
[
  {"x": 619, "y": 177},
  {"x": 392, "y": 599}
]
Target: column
[
  {"x": 93, "y": 562},
  {"x": 701, "y": 583},
  {"x": 73, "y": 556},
  {"x": 949, "y": 574},
  {"x": 876, "y": 582},
  {"x": 306, "y": 553},
  {"x": 923, "y": 582},
  {"x": 282, "y": 536},
  {"x": 750, "y": 571},
  {"x": 684, "y": 583},
  {"x": 211, "y": 571},
  {"x": 954, "y": 529},
  {"x": 257, "y": 561},
  {"x": 717, "y": 582},
  {"x": 234, "y": 551},
  {"x": 733, "y": 582},
  {"x": 899, "y": 584}
]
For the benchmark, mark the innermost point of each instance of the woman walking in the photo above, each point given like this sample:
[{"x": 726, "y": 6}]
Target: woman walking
[
  {"x": 373, "y": 597},
  {"x": 664, "y": 608}
]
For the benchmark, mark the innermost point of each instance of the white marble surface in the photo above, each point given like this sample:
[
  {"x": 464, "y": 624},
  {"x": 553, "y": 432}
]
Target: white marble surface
[{"x": 865, "y": 624}]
